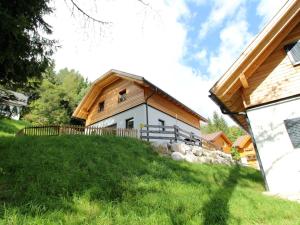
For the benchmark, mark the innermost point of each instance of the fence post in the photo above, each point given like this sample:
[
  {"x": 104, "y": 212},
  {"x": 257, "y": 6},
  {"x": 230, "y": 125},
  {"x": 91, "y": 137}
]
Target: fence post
[{"x": 176, "y": 133}]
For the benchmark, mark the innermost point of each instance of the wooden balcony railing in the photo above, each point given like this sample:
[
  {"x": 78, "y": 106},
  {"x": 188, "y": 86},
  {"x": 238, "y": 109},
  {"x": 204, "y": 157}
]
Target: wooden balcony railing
[{"x": 174, "y": 134}]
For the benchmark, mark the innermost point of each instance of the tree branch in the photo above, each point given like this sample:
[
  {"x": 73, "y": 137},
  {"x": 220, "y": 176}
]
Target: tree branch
[{"x": 87, "y": 15}]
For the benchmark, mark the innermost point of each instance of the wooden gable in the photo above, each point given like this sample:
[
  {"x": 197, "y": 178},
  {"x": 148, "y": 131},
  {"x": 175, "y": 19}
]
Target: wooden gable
[
  {"x": 109, "y": 95},
  {"x": 106, "y": 90},
  {"x": 263, "y": 73},
  {"x": 276, "y": 78}
]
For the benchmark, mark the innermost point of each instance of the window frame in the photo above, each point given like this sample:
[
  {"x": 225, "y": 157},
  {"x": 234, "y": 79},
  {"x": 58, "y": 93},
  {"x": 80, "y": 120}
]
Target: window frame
[
  {"x": 287, "y": 49},
  {"x": 290, "y": 128},
  {"x": 122, "y": 96},
  {"x": 129, "y": 120},
  {"x": 100, "y": 109},
  {"x": 161, "y": 123}
]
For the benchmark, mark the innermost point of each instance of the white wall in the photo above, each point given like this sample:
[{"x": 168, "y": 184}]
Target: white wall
[
  {"x": 138, "y": 113},
  {"x": 15, "y": 116},
  {"x": 281, "y": 162}
]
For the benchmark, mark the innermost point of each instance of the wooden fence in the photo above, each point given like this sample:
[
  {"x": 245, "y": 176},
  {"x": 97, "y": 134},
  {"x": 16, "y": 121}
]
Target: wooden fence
[
  {"x": 147, "y": 132},
  {"x": 76, "y": 130},
  {"x": 174, "y": 134}
]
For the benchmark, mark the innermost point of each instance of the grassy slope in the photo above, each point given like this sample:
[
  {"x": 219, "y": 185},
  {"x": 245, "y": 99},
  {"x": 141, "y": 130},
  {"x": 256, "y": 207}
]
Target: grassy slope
[
  {"x": 10, "y": 127},
  {"x": 110, "y": 180}
]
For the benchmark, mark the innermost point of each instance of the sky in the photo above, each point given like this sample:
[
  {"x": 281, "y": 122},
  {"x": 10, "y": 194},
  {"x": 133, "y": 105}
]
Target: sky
[{"x": 182, "y": 46}]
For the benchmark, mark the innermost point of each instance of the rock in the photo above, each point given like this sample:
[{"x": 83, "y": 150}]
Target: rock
[
  {"x": 161, "y": 148},
  {"x": 196, "y": 150},
  {"x": 180, "y": 147},
  {"x": 206, "y": 153},
  {"x": 203, "y": 159},
  {"x": 223, "y": 155},
  {"x": 190, "y": 157},
  {"x": 177, "y": 156}
]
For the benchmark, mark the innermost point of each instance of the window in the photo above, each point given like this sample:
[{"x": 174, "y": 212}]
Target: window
[
  {"x": 161, "y": 123},
  {"x": 293, "y": 51},
  {"x": 293, "y": 129},
  {"x": 101, "y": 107},
  {"x": 130, "y": 123},
  {"x": 122, "y": 96}
]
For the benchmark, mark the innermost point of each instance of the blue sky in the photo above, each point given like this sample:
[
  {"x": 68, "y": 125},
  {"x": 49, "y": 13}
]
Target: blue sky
[
  {"x": 210, "y": 44},
  {"x": 182, "y": 46}
]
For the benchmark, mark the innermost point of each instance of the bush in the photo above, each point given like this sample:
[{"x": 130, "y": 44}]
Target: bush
[{"x": 235, "y": 154}]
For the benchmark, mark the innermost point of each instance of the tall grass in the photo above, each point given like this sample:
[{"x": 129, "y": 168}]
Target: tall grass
[{"x": 111, "y": 180}]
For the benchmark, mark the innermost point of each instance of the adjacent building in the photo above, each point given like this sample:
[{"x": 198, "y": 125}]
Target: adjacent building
[
  {"x": 12, "y": 103},
  {"x": 122, "y": 100},
  {"x": 244, "y": 146},
  {"x": 261, "y": 92},
  {"x": 219, "y": 139}
]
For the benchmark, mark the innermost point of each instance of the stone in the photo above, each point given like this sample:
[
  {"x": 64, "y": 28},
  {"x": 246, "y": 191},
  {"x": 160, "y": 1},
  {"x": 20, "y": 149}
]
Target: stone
[
  {"x": 206, "y": 153},
  {"x": 190, "y": 157},
  {"x": 177, "y": 156},
  {"x": 180, "y": 147},
  {"x": 196, "y": 150},
  {"x": 203, "y": 159},
  {"x": 223, "y": 154},
  {"x": 161, "y": 148}
]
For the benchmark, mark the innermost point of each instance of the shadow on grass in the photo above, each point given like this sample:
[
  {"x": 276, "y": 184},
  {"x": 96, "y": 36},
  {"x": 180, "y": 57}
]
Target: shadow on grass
[
  {"x": 44, "y": 174},
  {"x": 216, "y": 210}
]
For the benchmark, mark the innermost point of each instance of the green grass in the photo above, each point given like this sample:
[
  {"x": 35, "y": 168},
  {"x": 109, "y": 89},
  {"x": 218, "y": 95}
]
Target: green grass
[
  {"x": 111, "y": 180},
  {"x": 10, "y": 127}
]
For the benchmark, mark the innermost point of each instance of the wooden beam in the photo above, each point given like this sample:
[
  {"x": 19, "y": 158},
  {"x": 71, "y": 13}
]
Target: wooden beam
[
  {"x": 244, "y": 98},
  {"x": 259, "y": 55},
  {"x": 244, "y": 80}
]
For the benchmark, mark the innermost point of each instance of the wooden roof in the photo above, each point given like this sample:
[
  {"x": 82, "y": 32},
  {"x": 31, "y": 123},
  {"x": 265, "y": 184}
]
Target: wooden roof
[
  {"x": 227, "y": 92},
  {"x": 111, "y": 76},
  {"x": 241, "y": 141},
  {"x": 214, "y": 136},
  {"x": 14, "y": 98}
]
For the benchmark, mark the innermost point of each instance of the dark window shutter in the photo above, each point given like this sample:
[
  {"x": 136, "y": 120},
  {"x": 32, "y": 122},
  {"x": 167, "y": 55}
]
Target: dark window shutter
[
  {"x": 293, "y": 128},
  {"x": 293, "y": 51}
]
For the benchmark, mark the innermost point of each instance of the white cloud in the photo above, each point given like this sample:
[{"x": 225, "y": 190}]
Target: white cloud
[
  {"x": 198, "y": 2},
  {"x": 201, "y": 55},
  {"x": 234, "y": 37},
  {"x": 268, "y": 8},
  {"x": 221, "y": 10},
  {"x": 147, "y": 42}
]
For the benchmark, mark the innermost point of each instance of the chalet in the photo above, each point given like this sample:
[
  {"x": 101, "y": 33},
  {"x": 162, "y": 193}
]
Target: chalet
[
  {"x": 219, "y": 139},
  {"x": 122, "y": 100},
  {"x": 261, "y": 92},
  {"x": 244, "y": 146},
  {"x": 12, "y": 103}
]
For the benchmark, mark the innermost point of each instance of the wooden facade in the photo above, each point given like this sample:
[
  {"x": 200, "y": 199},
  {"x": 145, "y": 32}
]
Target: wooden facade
[
  {"x": 109, "y": 95},
  {"x": 276, "y": 78},
  {"x": 165, "y": 105},
  {"x": 263, "y": 73},
  {"x": 138, "y": 91},
  {"x": 245, "y": 147},
  {"x": 220, "y": 140}
]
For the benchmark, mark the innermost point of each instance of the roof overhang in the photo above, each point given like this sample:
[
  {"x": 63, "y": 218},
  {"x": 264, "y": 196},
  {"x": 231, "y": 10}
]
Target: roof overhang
[
  {"x": 227, "y": 92},
  {"x": 111, "y": 76}
]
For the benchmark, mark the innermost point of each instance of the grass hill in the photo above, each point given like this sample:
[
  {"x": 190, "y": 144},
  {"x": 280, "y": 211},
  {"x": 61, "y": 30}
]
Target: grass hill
[
  {"x": 10, "y": 127},
  {"x": 112, "y": 180}
]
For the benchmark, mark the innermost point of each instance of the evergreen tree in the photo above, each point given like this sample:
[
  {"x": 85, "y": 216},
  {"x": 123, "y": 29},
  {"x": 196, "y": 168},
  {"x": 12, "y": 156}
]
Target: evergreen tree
[
  {"x": 25, "y": 52},
  {"x": 218, "y": 123}
]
